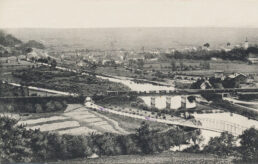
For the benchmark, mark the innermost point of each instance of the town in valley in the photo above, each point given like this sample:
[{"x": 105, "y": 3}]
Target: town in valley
[{"x": 128, "y": 94}]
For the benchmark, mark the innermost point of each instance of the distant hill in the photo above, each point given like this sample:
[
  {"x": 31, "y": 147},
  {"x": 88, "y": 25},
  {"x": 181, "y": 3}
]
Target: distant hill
[
  {"x": 11, "y": 46},
  {"x": 136, "y": 38},
  {"x": 8, "y": 40}
]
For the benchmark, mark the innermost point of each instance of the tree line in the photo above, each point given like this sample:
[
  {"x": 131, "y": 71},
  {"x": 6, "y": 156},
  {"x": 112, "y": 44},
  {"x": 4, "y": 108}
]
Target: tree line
[
  {"x": 21, "y": 145},
  {"x": 233, "y": 54},
  {"x": 42, "y": 106}
]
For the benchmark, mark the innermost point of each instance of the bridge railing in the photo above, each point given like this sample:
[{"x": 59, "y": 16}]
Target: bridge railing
[{"x": 222, "y": 126}]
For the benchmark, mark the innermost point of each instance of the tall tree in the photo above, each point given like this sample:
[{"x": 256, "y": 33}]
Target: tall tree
[
  {"x": 173, "y": 65},
  {"x": 249, "y": 145},
  {"x": 143, "y": 135},
  {"x": 224, "y": 145}
]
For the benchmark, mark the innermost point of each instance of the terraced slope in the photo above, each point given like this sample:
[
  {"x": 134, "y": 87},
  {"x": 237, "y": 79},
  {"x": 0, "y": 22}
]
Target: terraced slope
[{"x": 76, "y": 120}]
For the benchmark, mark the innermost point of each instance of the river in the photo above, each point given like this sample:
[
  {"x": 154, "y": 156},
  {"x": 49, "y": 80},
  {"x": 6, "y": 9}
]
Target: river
[{"x": 161, "y": 102}]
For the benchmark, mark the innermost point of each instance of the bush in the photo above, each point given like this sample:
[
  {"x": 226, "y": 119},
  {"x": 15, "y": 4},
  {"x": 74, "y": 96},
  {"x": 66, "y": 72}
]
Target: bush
[
  {"x": 29, "y": 108},
  {"x": 192, "y": 149},
  {"x": 224, "y": 145},
  {"x": 58, "y": 105},
  {"x": 50, "y": 106},
  {"x": 38, "y": 108},
  {"x": 10, "y": 108}
]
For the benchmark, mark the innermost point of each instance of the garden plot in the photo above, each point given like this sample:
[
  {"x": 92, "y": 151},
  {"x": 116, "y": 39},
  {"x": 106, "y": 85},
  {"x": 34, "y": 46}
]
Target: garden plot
[
  {"x": 79, "y": 131},
  {"x": 80, "y": 116},
  {"x": 56, "y": 126},
  {"x": 76, "y": 120},
  {"x": 42, "y": 120},
  {"x": 72, "y": 107},
  {"x": 94, "y": 121}
]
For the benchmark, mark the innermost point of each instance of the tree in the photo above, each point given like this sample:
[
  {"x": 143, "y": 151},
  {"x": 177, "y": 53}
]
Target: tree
[
  {"x": 177, "y": 137},
  {"x": 206, "y": 45},
  {"x": 29, "y": 107},
  {"x": 13, "y": 142},
  {"x": 181, "y": 65},
  {"x": 50, "y": 106},
  {"x": 224, "y": 145},
  {"x": 144, "y": 138},
  {"x": 38, "y": 108},
  {"x": 206, "y": 65},
  {"x": 173, "y": 65},
  {"x": 249, "y": 145},
  {"x": 140, "y": 63},
  {"x": 53, "y": 63}
]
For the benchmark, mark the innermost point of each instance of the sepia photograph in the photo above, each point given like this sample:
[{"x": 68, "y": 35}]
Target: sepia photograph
[{"x": 128, "y": 81}]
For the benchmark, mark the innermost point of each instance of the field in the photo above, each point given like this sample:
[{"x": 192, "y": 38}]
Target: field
[
  {"x": 76, "y": 120},
  {"x": 226, "y": 66},
  {"x": 6, "y": 69},
  {"x": 50, "y": 78},
  {"x": 165, "y": 157},
  {"x": 121, "y": 71},
  {"x": 130, "y": 124}
]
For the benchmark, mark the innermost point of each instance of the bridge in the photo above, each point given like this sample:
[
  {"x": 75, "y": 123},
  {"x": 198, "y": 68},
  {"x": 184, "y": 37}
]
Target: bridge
[{"x": 179, "y": 92}]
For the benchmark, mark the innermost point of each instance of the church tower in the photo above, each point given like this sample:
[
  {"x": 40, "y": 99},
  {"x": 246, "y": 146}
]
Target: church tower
[{"x": 246, "y": 45}]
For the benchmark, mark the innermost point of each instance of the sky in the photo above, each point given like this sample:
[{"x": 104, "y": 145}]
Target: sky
[{"x": 127, "y": 13}]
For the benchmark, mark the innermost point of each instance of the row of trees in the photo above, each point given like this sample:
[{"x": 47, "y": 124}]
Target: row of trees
[
  {"x": 21, "y": 145},
  {"x": 33, "y": 107},
  {"x": 234, "y": 54}
]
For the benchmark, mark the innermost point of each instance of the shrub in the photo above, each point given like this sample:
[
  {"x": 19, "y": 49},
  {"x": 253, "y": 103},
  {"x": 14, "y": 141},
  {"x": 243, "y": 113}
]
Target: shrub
[
  {"x": 38, "y": 108},
  {"x": 192, "y": 149},
  {"x": 224, "y": 145},
  {"x": 29, "y": 108},
  {"x": 58, "y": 106},
  {"x": 50, "y": 106},
  {"x": 10, "y": 108}
]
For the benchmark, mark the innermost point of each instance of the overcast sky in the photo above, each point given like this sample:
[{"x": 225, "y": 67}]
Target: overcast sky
[{"x": 128, "y": 13}]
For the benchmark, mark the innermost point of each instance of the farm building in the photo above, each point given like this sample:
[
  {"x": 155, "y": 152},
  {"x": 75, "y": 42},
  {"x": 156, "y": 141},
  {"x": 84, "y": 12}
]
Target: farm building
[{"x": 239, "y": 77}]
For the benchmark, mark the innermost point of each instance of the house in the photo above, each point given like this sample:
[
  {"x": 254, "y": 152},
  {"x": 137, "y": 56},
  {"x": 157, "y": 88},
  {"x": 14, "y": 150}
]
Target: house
[
  {"x": 81, "y": 63},
  {"x": 37, "y": 54},
  {"x": 206, "y": 85},
  {"x": 239, "y": 77}
]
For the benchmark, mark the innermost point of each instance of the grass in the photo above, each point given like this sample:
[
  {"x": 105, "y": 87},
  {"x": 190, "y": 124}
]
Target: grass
[{"x": 164, "y": 157}]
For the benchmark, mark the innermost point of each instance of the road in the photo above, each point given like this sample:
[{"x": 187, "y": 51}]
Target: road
[{"x": 205, "y": 124}]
